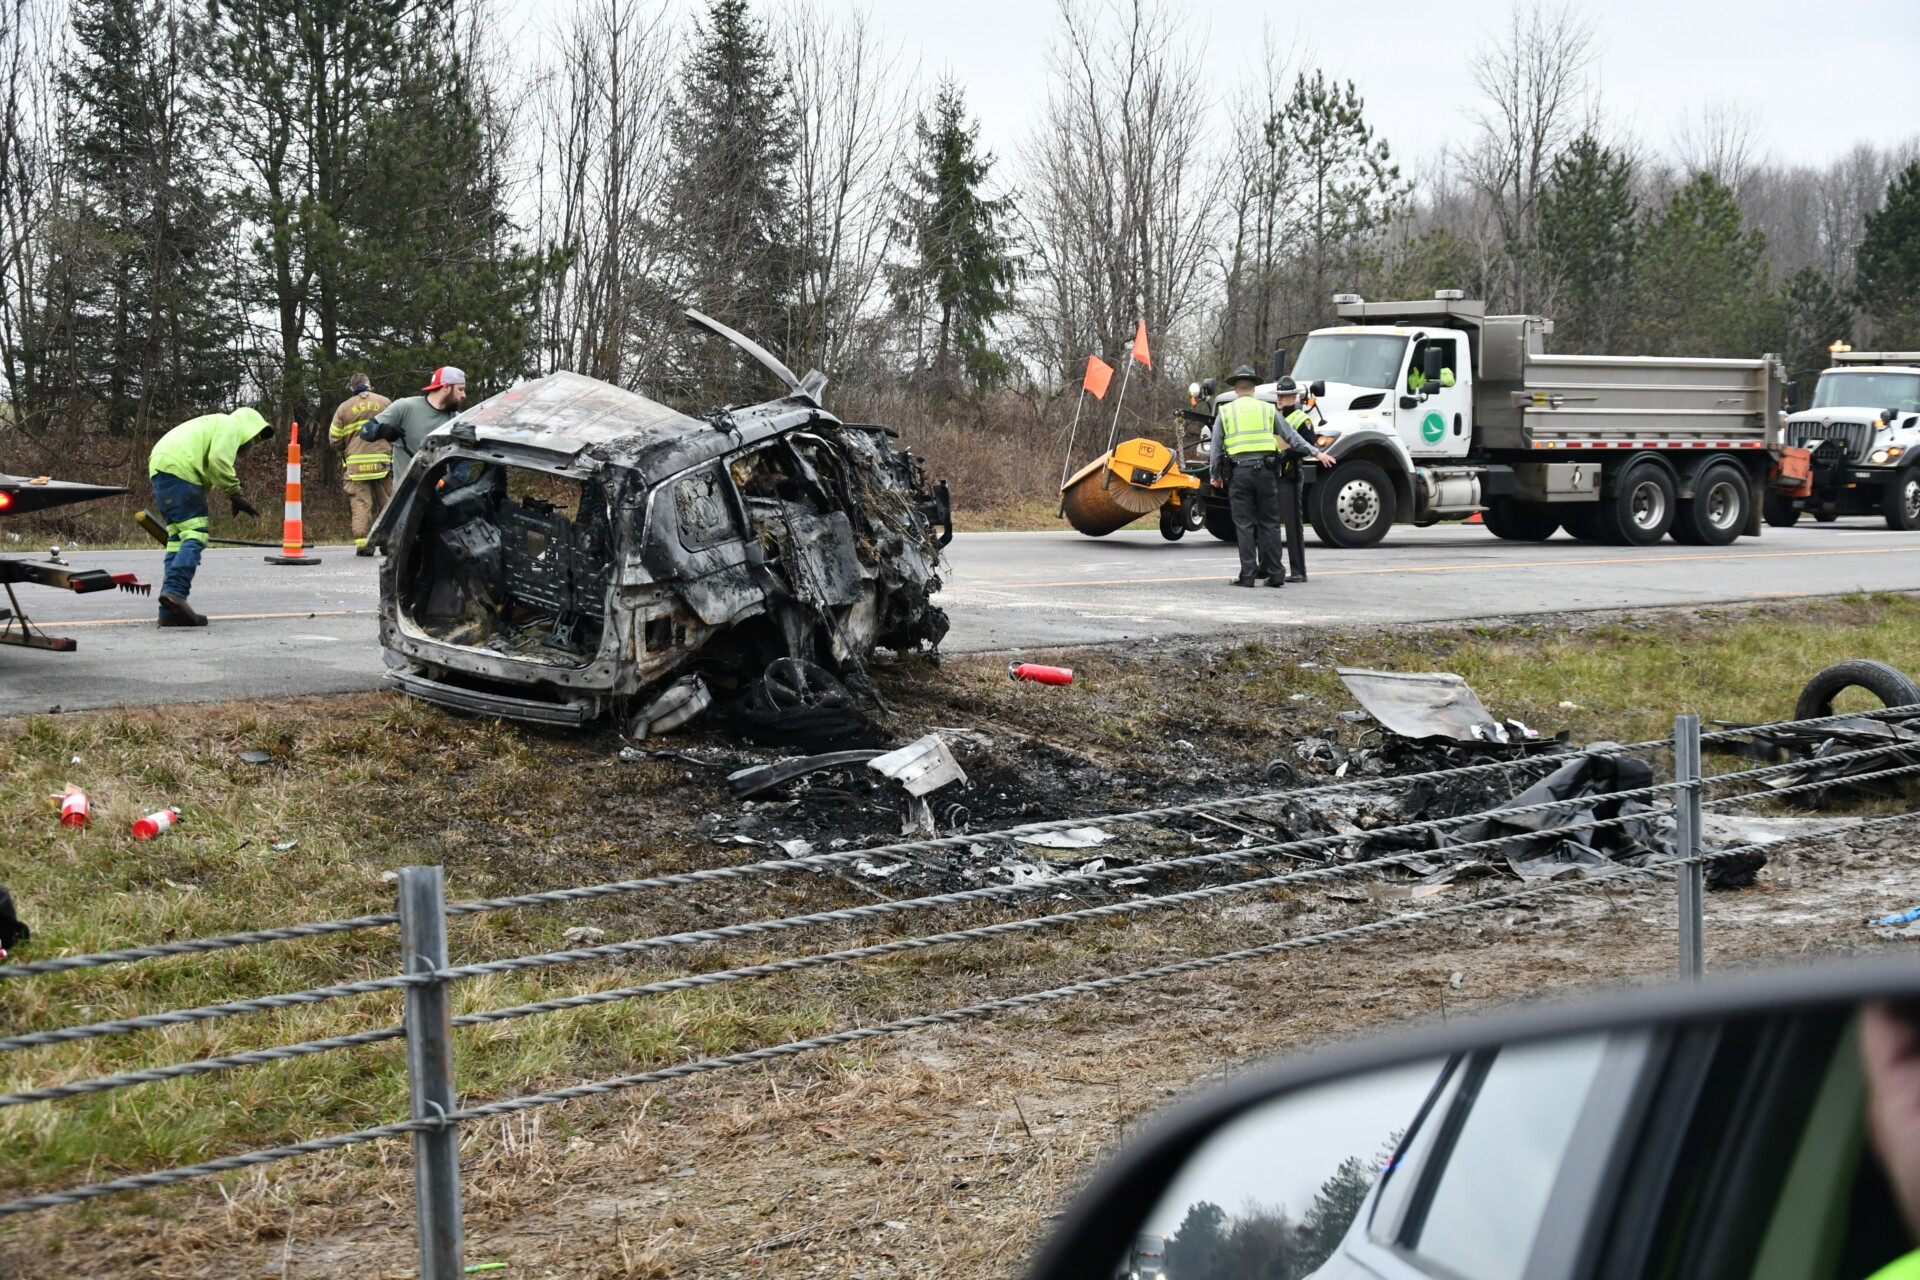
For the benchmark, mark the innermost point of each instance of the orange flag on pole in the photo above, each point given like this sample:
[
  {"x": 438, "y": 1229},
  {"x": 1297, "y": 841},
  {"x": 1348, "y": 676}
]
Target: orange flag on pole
[
  {"x": 1099, "y": 377},
  {"x": 1140, "y": 351}
]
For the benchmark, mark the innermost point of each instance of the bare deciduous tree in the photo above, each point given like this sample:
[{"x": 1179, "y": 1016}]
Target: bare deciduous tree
[
  {"x": 1531, "y": 77},
  {"x": 1121, "y": 183},
  {"x": 852, "y": 114},
  {"x": 605, "y": 145}
]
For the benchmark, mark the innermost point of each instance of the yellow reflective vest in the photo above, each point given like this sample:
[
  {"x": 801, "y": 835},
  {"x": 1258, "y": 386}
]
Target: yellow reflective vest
[{"x": 1247, "y": 426}]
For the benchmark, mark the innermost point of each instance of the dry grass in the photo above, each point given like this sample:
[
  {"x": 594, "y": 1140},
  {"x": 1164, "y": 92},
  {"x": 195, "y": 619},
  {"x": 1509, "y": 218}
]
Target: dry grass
[{"x": 878, "y": 1133}]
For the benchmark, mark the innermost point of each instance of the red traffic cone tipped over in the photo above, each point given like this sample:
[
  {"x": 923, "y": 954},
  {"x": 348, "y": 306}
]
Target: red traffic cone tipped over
[{"x": 290, "y": 536}]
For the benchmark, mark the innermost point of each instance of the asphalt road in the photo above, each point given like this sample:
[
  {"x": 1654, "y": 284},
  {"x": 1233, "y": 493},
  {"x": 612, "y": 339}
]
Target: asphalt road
[{"x": 280, "y": 630}]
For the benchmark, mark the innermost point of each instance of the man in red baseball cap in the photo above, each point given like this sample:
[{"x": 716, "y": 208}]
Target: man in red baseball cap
[{"x": 408, "y": 423}]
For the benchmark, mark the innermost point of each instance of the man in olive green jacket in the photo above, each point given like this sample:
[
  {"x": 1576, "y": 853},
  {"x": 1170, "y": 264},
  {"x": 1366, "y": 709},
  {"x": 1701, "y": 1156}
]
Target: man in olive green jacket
[{"x": 194, "y": 457}]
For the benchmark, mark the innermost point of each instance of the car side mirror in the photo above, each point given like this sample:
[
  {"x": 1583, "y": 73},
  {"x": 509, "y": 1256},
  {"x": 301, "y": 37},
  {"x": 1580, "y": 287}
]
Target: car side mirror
[{"x": 1542, "y": 1141}]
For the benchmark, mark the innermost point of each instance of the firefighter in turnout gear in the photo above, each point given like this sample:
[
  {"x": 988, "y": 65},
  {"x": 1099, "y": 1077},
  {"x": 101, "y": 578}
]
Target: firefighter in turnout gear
[
  {"x": 1245, "y": 459},
  {"x": 367, "y": 467}
]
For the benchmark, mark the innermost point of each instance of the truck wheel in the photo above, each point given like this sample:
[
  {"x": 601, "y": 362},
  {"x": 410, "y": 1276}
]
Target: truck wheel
[
  {"x": 1641, "y": 510},
  {"x": 1353, "y": 507},
  {"x": 1779, "y": 511},
  {"x": 1716, "y": 514},
  {"x": 1173, "y": 522},
  {"x": 1825, "y": 517},
  {"x": 1581, "y": 520},
  {"x": 1218, "y": 517},
  {"x": 1902, "y": 503},
  {"x": 1520, "y": 521},
  {"x": 1887, "y": 683}
]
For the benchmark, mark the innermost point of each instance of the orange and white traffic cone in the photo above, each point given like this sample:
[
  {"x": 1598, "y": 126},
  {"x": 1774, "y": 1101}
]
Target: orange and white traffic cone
[
  {"x": 1475, "y": 519},
  {"x": 290, "y": 535}
]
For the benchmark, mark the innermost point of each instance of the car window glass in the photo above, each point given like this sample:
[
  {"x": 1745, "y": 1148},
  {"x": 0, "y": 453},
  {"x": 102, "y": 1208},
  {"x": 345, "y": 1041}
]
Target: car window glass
[{"x": 1491, "y": 1196}]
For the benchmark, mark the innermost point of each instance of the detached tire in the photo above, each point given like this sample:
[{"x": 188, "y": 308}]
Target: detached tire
[
  {"x": 1641, "y": 509},
  {"x": 1353, "y": 506},
  {"x": 1778, "y": 511},
  {"x": 1716, "y": 514},
  {"x": 1887, "y": 683},
  {"x": 1520, "y": 521}
]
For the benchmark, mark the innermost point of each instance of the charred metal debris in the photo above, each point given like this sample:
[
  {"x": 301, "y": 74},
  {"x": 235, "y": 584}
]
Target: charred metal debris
[{"x": 569, "y": 550}]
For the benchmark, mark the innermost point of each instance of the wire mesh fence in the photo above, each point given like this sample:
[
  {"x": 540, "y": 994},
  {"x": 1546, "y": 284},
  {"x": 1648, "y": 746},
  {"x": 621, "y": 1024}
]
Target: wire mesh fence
[{"x": 426, "y": 977}]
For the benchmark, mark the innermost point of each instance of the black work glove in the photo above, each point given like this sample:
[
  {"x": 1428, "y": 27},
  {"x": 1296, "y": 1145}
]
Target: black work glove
[
  {"x": 378, "y": 430},
  {"x": 241, "y": 507}
]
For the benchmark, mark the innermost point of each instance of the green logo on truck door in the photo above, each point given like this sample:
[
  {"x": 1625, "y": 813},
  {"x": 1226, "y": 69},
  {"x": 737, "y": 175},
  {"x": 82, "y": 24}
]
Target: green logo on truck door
[{"x": 1432, "y": 427}]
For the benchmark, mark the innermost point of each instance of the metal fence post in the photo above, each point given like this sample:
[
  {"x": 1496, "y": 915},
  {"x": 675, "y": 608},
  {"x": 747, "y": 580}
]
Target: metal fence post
[
  {"x": 429, "y": 1023},
  {"x": 1692, "y": 877}
]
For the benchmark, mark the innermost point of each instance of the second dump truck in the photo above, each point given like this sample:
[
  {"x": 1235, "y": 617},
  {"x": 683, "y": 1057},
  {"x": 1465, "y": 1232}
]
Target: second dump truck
[
  {"x": 1434, "y": 410},
  {"x": 1863, "y": 434}
]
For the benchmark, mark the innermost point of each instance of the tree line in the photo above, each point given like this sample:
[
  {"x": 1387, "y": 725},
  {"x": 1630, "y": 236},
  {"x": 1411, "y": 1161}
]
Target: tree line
[{"x": 204, "y": 202}]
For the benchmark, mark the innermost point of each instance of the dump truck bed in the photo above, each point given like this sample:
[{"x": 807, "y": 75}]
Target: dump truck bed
[{"x": 1631, "y": 402}]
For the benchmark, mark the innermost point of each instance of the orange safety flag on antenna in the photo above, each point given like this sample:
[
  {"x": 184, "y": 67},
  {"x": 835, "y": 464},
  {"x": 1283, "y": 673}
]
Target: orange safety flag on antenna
[
  {"x": 1099, "y": 377},
  {"x": 1140, "y": 351}
]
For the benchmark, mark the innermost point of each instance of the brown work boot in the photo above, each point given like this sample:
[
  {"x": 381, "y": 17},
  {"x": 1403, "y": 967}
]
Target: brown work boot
[{"x": 176, "y": 612}]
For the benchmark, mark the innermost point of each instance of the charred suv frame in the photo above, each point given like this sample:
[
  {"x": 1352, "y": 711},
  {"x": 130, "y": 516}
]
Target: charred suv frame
[{"x": 564, "y": 548}]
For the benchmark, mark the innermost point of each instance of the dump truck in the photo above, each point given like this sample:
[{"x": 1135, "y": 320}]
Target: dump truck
[
  {"x": 1862, "y": 432},
  {"x": 1434, "y": 410}
]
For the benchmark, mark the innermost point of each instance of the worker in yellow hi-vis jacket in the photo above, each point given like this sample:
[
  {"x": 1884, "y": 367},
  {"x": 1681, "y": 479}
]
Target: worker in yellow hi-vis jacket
[{"x": 368, "y": 464}]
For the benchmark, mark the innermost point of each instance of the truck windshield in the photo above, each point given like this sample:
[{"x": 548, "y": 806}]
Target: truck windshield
[
  {"x": 1868, "y": 391},
  {"x": 1357, "y": 359}
]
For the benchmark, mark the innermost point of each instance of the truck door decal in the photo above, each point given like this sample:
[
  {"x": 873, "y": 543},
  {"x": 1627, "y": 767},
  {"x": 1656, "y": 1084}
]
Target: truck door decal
[{"x": 1432, "y": 428}]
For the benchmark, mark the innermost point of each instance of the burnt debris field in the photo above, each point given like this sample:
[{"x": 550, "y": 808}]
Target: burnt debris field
[{"x": 938, "y": 1152}]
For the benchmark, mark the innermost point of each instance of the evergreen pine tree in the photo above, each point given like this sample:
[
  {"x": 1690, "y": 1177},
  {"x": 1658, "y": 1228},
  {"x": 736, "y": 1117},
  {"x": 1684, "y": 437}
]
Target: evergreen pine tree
[
  {"x": 1588, "y": 234},
  {"x": 729, "y": 201},
  {"x": 1345, "y": 187},
  {"x": 148, "y": 325},
  {"x": 963, "y": 269},
  {"x": 431, "y": 270},
  {"x": 1701, "y": 285},
  {"x": 1887, "y": 264},
  {"x": 1810, "y": 316}
]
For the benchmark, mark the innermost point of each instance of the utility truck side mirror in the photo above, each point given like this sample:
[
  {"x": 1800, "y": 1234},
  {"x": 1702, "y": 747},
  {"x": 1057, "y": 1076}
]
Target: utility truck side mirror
[
  {"x": 1317, "y": 388},
  {"x": 1208, "y": 388},
  {"x": 1279, "y": 363},
  {"x": 1431, "y": 362},
  {"x": 1887, "y": 416}
]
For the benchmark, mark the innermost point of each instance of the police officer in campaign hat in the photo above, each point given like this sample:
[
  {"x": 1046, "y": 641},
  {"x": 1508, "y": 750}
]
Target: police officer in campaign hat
[{"x": 1246, "y": 459}]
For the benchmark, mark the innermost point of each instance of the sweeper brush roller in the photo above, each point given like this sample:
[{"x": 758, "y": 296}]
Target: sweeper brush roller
[{"x": 1117, "y": 488}]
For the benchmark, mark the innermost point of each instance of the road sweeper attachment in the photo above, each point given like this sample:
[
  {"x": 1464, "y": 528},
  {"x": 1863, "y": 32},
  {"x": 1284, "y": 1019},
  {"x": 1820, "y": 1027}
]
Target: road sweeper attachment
[{"x": 1137, "y": 478}]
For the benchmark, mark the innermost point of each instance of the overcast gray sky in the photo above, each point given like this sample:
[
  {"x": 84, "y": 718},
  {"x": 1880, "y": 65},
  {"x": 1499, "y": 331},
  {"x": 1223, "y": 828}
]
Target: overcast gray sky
[{"x": 1812, "y": 89}]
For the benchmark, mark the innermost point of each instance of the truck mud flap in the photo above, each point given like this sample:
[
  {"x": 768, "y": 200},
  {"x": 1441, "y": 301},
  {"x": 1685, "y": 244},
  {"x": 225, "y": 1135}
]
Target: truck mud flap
[{"x": 501, "y": 706}]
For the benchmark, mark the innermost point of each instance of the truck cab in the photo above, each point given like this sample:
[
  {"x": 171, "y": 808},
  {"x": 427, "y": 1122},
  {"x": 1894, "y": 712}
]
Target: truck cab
[
  {"x": 1863, "y": 432},
  {"x": 1434, "y": 410}
]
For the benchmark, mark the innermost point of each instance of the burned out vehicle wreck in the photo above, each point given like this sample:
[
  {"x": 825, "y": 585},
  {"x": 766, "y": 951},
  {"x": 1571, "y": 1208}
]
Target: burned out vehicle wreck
[{"x": 569, "y": 550}]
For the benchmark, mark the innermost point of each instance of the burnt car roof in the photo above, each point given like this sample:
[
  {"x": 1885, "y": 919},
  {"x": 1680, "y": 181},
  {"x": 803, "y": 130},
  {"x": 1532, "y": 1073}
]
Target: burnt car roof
[{"x": 570, "y": 413}]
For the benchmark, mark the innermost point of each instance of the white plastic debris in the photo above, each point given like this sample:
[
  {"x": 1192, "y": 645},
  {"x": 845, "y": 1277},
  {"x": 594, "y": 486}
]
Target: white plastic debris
[
  {"x": 866, "y": 868},
  {"x": 284, "y": 845},
  {"x": 583, "y": 935},
  {"x": 795, "y": 848},
  {"x": 922, "y": 766},
  {"x": 678, "y": 703},
  {"x": 1072, "y": 838}
]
